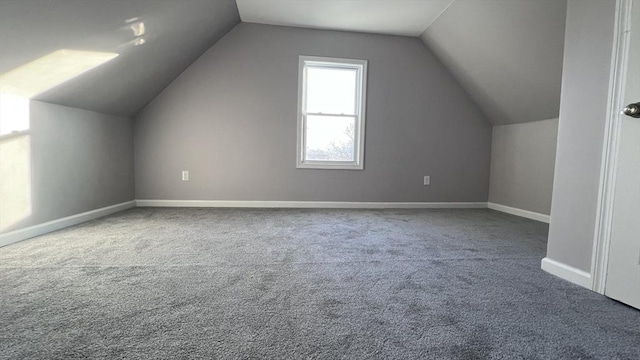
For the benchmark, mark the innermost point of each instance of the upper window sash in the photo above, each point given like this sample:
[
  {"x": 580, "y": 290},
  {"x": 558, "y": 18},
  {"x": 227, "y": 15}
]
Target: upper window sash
[{"x": 347, "y": 64}]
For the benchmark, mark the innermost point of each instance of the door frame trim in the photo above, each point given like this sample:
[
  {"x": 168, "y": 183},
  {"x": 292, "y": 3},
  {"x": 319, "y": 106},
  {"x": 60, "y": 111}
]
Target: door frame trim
[{"x": 615, "y": 102}]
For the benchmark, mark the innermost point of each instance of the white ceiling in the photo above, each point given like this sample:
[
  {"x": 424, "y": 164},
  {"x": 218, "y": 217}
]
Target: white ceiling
[{"x": 398, "y": 17}]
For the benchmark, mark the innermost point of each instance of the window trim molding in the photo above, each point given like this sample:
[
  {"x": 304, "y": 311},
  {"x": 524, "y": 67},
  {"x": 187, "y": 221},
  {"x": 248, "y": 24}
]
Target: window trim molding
[{"x": 360, "y": 116}]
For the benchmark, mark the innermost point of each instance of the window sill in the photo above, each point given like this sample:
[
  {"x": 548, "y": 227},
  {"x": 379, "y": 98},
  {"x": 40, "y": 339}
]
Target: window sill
[{"x": 325, "y": 166}]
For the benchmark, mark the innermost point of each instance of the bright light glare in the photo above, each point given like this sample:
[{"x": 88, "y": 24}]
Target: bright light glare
[
  {"x": 15, "y": 163},
  {"x": 50, "y": 71},
  {"x": 331, "y": 90},
  {"x": 14, "y": 114},
  {"x": 15, "y": 180}
]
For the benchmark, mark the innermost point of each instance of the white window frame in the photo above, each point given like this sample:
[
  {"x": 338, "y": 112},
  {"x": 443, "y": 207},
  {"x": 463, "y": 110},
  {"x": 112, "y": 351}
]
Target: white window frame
[{"x": 361, "y": 96}]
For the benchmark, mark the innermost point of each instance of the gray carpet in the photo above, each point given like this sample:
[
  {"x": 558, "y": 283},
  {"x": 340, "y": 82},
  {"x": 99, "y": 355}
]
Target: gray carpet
[{"x": 329, "y": 284}]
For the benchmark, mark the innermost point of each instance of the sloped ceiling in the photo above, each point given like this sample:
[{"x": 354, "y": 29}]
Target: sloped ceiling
[
  {"x": 176, "y": 33},
  {"x": 393, "y": 17},
  {"x": 507, "y": 54}
]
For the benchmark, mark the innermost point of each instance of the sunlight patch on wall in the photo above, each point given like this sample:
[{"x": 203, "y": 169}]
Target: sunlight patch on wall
[
  {"x": 15, "y": 162},
  {"x": 50, "y": 71}
]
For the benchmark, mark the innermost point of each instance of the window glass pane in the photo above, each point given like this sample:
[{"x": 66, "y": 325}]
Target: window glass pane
[
  {"x": 330, "y": 138},
  {"x": 331, "y": 90}
]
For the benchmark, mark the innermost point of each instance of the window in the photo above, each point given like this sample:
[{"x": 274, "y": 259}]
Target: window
[
  {"x": 15, "y": 161},
  {"x": 331, "y": 107}
]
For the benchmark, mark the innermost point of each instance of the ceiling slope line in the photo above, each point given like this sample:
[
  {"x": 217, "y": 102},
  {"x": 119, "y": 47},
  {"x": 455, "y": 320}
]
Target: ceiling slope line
[{"x": 436, "y": 19}]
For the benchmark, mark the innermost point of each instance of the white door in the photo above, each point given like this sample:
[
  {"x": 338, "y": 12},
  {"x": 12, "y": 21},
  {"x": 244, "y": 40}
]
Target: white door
[{"x": 623, "y": 273}]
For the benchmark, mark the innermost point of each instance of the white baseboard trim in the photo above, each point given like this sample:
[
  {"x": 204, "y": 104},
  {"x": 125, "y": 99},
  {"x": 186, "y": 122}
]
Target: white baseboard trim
[
  {"x": 41, "y": 229},
  {"x": 567, "y": 272},
  {"x": 519, "y": 212},
  {"x": 311, "y": 204}
]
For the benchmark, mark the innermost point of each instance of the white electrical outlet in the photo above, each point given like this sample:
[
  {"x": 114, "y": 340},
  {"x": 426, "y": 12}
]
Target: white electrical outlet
[
  {"x": 427, "y": 180},
  {"x": 185, "y": 175}
]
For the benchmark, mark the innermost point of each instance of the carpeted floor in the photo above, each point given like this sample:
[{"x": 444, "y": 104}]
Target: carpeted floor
[{"x": 286, "y": 283}]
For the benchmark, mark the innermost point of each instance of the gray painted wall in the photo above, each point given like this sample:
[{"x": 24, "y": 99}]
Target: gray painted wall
[
  {"x": 230, "y": 119},
  {"x": 506, "y": 53},
  {"x": 522, "y": 165},
  {"x": 585, "y": 81},
  {"x": 80, "y": 161}
]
